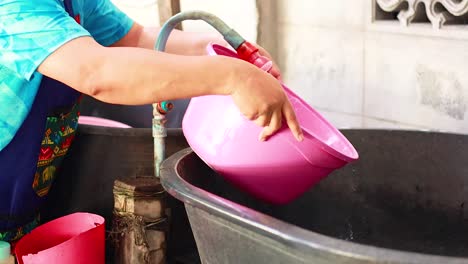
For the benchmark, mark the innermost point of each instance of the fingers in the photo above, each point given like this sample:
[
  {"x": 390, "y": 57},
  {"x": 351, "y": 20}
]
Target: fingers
[
  {"x": 275, "y": 70},
  {"x": 263, "y": 52},
  {"x": 292, "y": 122},
  {"x": 276, "y": 122},
  {"x": 273, "y": 126},
  {"x": 264, "y": 119}
]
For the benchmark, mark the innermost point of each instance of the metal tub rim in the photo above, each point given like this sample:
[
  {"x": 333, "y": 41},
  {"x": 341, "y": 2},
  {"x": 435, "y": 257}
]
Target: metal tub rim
[
  {"x": 281, "y": 231},
  {"x": 128, "y": 132}
]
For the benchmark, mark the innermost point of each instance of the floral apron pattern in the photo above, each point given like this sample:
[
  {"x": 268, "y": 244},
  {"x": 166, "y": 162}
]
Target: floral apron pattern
[
  {"x": 59, "y": 134},
  {"x": 18, "y": 233}
]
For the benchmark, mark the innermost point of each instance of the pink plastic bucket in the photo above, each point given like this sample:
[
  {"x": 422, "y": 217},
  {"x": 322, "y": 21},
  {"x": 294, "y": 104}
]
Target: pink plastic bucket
[
  {"x": 72, "y": 239},
  {"x": 97, "y": 121},
  {"x": 278, "y": 170}
]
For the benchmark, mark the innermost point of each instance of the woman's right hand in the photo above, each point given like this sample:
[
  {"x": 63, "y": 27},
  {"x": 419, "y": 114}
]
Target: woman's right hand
[{"x": 261, "y": 98}]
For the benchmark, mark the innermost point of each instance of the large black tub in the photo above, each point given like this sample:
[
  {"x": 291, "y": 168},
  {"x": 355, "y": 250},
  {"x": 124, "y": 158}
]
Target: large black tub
[
  {"x": 404, "y": 201},
  {"x": 99, "y": 156}
]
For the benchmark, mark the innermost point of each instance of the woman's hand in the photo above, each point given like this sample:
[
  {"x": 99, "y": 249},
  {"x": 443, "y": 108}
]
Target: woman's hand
[
  {"x": 206, "y": 38},
  {"x": 275, "y": 70},
  {"x": 259, "y": 96},
  {"x": 262, "y": 99}
]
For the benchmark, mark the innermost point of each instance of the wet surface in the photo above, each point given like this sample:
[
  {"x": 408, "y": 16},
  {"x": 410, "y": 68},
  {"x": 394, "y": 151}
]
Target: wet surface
[{"x": 408, "y": 192}]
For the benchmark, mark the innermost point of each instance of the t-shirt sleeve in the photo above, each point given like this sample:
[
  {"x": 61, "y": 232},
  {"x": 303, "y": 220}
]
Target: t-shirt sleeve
[
  {"x": 106, "y": 23},
  {"x": 32, "y": 30}
]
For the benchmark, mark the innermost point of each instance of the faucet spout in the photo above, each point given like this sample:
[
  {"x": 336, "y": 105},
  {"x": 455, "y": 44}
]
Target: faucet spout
[{"x": 159, "y": 135}]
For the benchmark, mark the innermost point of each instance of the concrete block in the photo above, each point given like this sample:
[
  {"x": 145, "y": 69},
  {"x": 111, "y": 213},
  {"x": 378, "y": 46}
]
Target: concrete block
[
  {"x": 417, "y": 80},
  {"x": 240, "y": 15},
  {"x": 369, "y": 122},
  {"x": 342, "y": 120},
  {"x": 324, "y": 66},
  {"x": 144, "y": 12},
  {"x": 338, "y": 14}
]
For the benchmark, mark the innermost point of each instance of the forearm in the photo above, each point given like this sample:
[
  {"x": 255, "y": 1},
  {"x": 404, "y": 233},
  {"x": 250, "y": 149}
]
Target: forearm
[
  {"x": 137, "y": 76},
  {"x": 134, "y": 76}
]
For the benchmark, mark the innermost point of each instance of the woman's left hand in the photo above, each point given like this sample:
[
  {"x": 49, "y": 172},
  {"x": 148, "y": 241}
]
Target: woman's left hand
[
  {"x": 275, "y": 71},
  {"x": 216, "y": 38}
]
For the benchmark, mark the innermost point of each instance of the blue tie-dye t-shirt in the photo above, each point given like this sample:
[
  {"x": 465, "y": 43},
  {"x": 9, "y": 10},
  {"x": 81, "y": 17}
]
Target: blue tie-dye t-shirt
[{"x": 30, "y": 30}]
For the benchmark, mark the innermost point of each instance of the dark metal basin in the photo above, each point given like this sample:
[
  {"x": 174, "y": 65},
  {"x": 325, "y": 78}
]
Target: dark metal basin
[
  {"x": 404, "y": 201},
  {"x": 99, "y": 156}
]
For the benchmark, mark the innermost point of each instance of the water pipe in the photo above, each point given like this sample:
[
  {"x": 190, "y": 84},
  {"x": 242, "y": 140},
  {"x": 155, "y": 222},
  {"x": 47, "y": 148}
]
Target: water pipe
[{"x": 245, "y": 50}]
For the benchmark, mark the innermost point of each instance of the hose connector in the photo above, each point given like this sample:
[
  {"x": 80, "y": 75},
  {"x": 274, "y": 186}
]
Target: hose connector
[
  {"x": 164, "y": 107},
  {"x": 249, "y": 52}
]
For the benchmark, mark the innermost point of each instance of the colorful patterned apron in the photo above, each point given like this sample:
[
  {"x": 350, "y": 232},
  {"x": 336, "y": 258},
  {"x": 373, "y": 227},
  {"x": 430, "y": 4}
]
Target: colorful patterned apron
[{"x": 29, "y": 163}]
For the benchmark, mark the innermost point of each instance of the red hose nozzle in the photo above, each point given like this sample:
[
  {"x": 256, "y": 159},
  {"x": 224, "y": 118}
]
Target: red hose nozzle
[{"x": 249, "y": 52}]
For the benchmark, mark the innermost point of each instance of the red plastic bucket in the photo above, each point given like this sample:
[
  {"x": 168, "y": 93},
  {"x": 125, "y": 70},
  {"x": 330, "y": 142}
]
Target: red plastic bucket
[{"x": 72, "y": 239}]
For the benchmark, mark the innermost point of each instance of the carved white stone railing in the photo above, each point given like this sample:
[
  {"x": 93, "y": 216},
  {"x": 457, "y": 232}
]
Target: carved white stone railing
[{"x": 452, "y": 10}]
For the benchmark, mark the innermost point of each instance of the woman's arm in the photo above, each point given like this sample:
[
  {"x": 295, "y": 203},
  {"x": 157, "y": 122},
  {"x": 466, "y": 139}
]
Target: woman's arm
[{"x": 133, "y": 76}]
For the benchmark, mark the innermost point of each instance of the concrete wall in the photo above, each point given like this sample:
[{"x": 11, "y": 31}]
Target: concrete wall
[
  {"x": 356, "y": 71},
  {"x": 364, "y": 73},
  {"x": 144, "y": 12},
  {"x": 241, "y": 14}
]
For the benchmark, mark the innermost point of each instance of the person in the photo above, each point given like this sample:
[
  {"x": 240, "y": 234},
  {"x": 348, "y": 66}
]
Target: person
[{"x": 53, "y": 51}]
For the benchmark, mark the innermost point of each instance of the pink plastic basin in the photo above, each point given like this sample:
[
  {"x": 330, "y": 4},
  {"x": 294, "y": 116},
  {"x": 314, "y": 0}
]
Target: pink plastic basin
[
  {"x": 97, "y": 121},
  {"x": 276, "y": 171}
]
